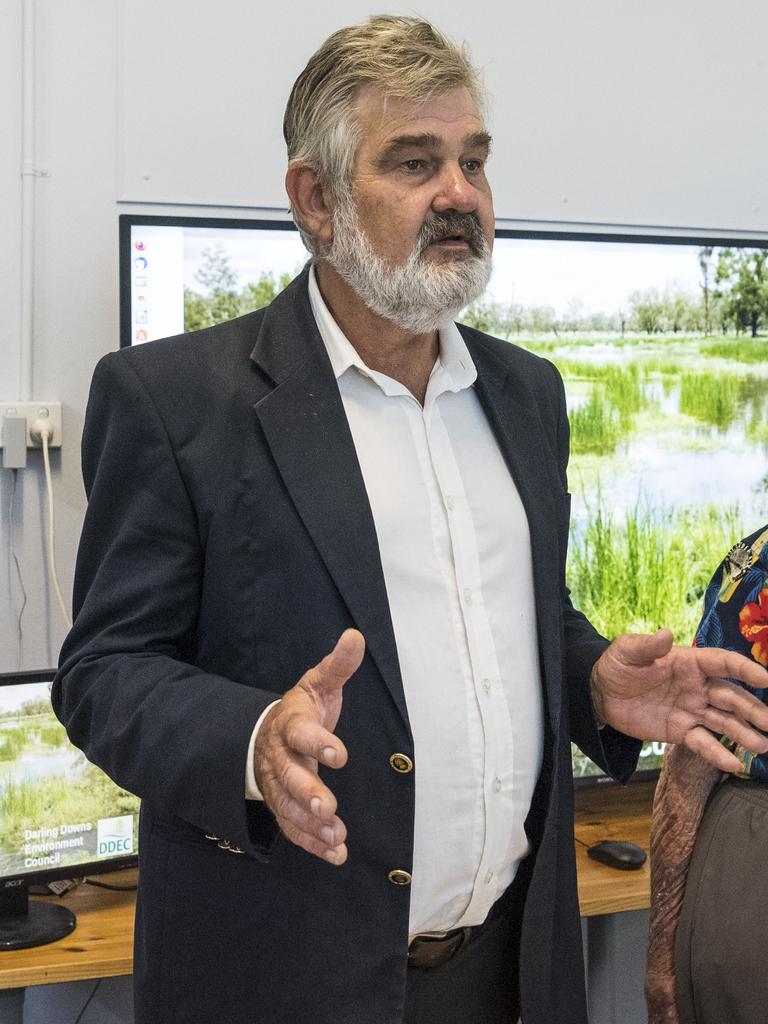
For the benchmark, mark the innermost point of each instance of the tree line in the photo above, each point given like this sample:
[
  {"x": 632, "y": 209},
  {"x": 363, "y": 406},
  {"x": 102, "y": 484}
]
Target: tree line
[
  {"x": 220, "y": 298},
  {"x": 732, "y": 298}
]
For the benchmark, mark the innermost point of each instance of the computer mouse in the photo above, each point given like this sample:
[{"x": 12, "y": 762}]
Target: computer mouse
[{"x": 618, "y": 853}]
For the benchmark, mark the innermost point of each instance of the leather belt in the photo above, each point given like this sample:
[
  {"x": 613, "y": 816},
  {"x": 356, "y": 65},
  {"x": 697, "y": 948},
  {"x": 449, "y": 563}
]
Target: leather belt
[{"x": 433, "y": 950}]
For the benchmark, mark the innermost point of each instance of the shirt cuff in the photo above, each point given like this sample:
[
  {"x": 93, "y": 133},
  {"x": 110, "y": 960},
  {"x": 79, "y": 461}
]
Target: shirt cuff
[{"x": 252, "y": 791}]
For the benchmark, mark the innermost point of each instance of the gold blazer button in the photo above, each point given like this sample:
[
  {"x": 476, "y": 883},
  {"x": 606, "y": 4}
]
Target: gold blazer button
[
  {"x": 398, "y": 877},
  {"x": 401, "y": 763}
]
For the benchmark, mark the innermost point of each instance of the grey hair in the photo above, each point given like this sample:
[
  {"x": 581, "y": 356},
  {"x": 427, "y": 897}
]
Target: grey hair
[{"x": 406, "y": 58}]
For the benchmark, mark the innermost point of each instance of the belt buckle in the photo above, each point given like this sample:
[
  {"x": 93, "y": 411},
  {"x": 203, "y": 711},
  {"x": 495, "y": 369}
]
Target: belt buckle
[{"x": 434, "y": 951}]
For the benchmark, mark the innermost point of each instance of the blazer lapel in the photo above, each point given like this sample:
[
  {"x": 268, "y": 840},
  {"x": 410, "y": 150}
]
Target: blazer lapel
[
  {"x": 306, "y": 428},
  {"x": 515, "y": 422}
]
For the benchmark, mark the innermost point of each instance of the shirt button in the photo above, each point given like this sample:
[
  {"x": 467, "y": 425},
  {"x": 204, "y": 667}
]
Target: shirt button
[
  {"x": 401, "y": 763},
  {"x": 487, "y": 685},
  {"x": 497, "y": 784},
  {"x": 450, "y": 504},
  {"x": 489, "y": 878},
  {"x": 467, "y": 596},
  {"x": 399, "y": 877}
]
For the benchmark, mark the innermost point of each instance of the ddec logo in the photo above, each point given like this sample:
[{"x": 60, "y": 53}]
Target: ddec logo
[{"x": 114, "y": 836}]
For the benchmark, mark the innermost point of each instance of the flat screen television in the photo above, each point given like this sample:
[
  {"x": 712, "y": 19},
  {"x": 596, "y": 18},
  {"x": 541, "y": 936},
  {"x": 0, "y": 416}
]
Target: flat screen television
[
  {"x": 60, "y": 816},
  {"x": 662, "y": 343}
]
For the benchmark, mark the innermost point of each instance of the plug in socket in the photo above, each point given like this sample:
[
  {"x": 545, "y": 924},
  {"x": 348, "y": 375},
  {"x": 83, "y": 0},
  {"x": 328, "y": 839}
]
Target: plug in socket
[{"x": 39, "y": 416}]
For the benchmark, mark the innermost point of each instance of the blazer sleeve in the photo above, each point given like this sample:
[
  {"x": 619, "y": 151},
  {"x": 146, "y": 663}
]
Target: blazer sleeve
[
  {"x": 127, "y": 690},
  {"x": 614, "y": 752}
]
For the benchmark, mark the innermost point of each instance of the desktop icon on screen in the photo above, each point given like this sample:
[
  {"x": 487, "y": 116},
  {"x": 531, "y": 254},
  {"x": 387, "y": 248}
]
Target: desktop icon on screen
[{"x": 140, "y": 262}]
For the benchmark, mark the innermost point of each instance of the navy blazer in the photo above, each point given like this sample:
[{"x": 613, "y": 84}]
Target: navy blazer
[{"x": 228, "y": 542}]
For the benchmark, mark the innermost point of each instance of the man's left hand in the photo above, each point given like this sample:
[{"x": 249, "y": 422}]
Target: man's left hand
[{"x": 645, "y": 687}]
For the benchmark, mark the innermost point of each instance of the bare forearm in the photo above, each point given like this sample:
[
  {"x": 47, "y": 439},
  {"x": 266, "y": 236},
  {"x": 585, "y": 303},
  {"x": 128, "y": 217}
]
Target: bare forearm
[{"x": 681, "y": 796}]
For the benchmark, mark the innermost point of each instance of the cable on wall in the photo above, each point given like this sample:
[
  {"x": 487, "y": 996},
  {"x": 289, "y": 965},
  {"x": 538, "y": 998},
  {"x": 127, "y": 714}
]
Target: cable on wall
[
  {"x": 14, "y": 559},
  {"x": 45, "y": 436}
]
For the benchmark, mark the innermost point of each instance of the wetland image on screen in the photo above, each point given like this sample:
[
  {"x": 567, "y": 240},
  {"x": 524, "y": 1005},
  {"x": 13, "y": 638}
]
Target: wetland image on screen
[
  {"x": 56, "y": 808},
  {"x": 662, "y": 348}
]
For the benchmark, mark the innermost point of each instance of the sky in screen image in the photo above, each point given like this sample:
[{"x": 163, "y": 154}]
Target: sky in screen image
[
  {"x": 252, "y": 254},
  {"x": 12, "y": 697},
  {"x": 599, "y": 276}
]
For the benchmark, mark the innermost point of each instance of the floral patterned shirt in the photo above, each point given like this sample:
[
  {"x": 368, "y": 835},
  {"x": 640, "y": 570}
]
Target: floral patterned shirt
[{"x": 736, "y": 618}]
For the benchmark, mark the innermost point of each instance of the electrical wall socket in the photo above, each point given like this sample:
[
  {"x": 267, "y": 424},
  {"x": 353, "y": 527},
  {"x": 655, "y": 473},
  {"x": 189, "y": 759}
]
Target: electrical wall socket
[{"x": 35, "y": 413}]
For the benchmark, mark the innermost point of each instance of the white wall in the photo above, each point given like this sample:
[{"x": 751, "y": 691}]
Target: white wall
[
  {"x": 10, "y": 279},
  {"x": 606, "y": 111}
]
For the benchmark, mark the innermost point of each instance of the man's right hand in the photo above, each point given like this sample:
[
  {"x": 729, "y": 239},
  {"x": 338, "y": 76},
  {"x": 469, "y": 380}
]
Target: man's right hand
[{"x": 295, "y": 735}]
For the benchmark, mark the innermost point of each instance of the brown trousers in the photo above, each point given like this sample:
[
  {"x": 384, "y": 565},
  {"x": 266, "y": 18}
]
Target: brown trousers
[{"x": 721, "y": 975}]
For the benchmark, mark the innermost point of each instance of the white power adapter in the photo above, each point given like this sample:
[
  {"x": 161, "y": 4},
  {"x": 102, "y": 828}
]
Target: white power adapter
[{"x": 14, "y": 441}]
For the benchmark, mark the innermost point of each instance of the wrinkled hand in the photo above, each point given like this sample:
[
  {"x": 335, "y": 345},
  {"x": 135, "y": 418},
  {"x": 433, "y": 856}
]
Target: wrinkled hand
[
  {"x": 295, "y": 735},
  {"x": 645, "y": 687}
]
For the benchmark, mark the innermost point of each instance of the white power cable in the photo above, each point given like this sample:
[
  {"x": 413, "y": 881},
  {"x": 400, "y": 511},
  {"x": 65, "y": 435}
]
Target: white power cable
[
  {"x": 45, "y": 435},
  {"x": 15, "y": 559}
]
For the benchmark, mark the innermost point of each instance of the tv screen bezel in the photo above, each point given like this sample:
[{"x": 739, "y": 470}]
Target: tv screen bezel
[{"x": 601, "y": 779}]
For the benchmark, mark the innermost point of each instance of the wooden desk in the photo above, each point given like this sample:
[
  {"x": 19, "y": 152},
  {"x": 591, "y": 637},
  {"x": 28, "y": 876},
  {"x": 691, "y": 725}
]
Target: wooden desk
[
  {"x": 101, "y": 945},
  {"x": 612, "y": 812}
]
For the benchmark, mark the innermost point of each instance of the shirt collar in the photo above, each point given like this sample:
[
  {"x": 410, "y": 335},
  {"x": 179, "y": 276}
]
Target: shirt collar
[{"x": 454, "y": 363}]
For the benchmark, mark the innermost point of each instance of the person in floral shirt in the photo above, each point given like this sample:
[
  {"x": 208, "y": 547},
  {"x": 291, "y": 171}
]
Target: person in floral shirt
[{"x": 709, "y": 838}]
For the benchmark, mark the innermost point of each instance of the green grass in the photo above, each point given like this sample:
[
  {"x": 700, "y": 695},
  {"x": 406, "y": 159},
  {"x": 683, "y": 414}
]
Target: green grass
[
  {"x": 540, "y": 347},
  {"x": 579, "y": 369},
  {"x": 608, "y": 415},
  {"x": 715, "y": 399},
  {"x": 23, "y": 803},
  {"x": 596, "y": 427},
  {"x": 563, "y": 342},
  {"x": 721, "y": 399},
  {"x": 47, "y": 803},
  {"x": 757, "y": 429},
  {"x": 735, "y": 349},
  {"x": 650, "y": 568},
  {"x": 15, "y": 738},
  {"x": 741, "y": 350},
  {"x": 12, "y": 742},
  {"x": 50, "y": 735},
  {"x": 663, "y": 367},
  {"x": 624, "y": 391}
]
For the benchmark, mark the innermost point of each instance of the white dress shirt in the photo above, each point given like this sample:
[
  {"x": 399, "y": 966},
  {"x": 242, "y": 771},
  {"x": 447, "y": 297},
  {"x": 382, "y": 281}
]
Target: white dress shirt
[{"x": 456, "y": 555}]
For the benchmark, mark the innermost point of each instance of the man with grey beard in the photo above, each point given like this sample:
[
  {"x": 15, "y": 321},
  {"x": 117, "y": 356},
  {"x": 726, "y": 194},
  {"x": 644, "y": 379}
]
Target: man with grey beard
[
  {"x": 419, "y": 295},
  {"x": 381, "y": 834}
]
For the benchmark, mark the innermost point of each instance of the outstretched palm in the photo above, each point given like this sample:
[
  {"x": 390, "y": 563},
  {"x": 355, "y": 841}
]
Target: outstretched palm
[{"x": 646, "y": 687}]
